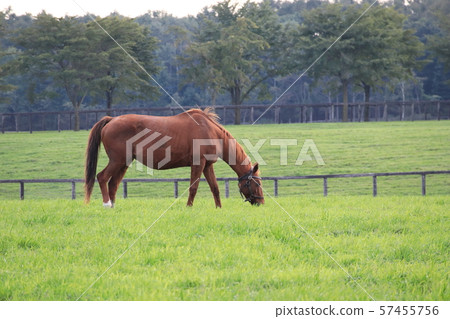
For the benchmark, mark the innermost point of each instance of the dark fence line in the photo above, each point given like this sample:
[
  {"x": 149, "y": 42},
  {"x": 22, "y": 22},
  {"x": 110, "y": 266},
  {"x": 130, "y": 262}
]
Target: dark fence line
[
  {"x": 298, "y": 113},
  {"x": 227, "y": 180}
]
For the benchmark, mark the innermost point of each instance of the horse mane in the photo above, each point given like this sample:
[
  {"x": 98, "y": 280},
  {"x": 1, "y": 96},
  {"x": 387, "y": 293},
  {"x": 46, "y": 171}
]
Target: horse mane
[
  {"x": 212, "y": 115},
  {"x": 209, "y": 112}
]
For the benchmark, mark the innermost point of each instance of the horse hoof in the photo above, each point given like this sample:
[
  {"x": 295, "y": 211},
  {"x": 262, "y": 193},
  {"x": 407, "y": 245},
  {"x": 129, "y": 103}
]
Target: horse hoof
[{"x": 108, "y": 204}]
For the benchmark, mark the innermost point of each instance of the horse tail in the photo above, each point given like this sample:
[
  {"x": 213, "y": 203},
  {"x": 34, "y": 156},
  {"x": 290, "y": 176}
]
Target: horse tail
[{"x": 92, "y": 149}]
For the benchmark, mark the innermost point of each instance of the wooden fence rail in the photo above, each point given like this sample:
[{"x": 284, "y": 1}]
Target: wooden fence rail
[
  {"x": 289, "y": 113},
  {"x": 227, "y": 180}
]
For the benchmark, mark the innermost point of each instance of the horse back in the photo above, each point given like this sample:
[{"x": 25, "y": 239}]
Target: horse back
[{"x": 139, "y": 133}]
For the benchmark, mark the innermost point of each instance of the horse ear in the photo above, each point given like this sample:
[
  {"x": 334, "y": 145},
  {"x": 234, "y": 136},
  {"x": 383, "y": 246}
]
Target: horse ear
[{"x": 255, "y": 168}]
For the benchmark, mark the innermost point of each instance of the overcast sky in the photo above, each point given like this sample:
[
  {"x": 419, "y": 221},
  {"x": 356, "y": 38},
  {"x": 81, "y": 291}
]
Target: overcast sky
[{"x": 130, "y": 8}]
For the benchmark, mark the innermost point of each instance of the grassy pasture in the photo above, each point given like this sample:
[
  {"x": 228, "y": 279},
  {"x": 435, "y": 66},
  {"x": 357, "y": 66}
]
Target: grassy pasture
[
  {"x": 345, "y": 148},
  {"x": 395, "y": 246}
]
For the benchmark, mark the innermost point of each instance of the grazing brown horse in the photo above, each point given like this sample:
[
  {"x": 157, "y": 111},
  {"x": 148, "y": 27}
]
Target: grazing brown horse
[{"x": 193, "y": 138}]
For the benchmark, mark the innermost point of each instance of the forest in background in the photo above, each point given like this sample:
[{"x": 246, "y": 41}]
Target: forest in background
[{"x": 227, "y": 55}]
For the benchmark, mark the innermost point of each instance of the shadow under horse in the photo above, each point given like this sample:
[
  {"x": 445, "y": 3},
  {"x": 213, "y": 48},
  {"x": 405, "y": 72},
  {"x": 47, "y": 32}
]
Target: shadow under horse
[{"x": 191, "y": 139}]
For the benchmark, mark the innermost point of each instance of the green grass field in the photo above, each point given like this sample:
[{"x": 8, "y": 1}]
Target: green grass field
[
  {"x": 395, "y": 246},
  {"x": 345, "y": 148}
]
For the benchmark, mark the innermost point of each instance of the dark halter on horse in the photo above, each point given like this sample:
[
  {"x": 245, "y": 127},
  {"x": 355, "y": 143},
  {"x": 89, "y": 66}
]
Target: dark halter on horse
[{"x": 249, "y": 177}]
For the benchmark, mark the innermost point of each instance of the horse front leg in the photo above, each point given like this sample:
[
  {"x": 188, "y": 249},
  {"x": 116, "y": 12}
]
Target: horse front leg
[
  {"x": 196, "y": 173},
  {"x": 212, "y": 181}
]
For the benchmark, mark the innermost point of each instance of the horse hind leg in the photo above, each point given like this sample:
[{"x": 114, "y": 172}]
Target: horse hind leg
[
  {"x": 103, "y": 178},
  {"x": 114, "y": 182}
]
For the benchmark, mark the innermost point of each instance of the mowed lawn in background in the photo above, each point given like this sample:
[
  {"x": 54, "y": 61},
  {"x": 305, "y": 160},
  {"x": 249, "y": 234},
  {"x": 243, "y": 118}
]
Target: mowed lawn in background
[
  {"x": 397, "y": 248},
  {"x": 346, "y": 148}
]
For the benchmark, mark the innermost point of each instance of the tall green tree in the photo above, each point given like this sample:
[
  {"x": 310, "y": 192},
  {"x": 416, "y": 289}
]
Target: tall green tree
[
  {"x": 387, "y": 54},
  {"x": 174, "y": 35},
  {"x": 440, "y": 43},
  {"x": 320, "y": 28},
  {"x": 422, "y": 18},
  {"x": 236, "y": 50},
  {"x": 5, "y": 87},
  {"x": 117, "y": 75},
  {"x": 57, "y": 49},
  {"x": 375, "y": 49}
]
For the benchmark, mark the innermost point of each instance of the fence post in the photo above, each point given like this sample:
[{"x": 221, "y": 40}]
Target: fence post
[
  {"x": 59, "y": 123},
  {"x": 385, "y": 117},
  {"x": 3, "y": 124},
  {"x": 16, "y": 117},
  {"x": 125, "y": 189},
  {"x": 424, "y": 185},
  {"x": 402, "y": 118},
  {"x": 175, "y": 189},
  {"x": 325, "y": 186},
  {"x": 224, "y": 115},
  {"x": 252, "y": 114},
  {"x": 275, "y": 187},
  {"x": 74, "y": 194},
  {"x": 277, "y": 115},
  {"x": 375, "y": 191},
  {"x": 412, "y": 111},
  {"x": 439, "y": 111},
  {"x": 303, "y": 114},
  {"x": 22, "y": 190},
  {"x": 227, "y": 188}
]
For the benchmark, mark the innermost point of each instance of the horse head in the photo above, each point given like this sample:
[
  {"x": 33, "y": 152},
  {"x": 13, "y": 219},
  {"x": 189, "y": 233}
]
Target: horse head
[{"x": 250, "y": 187}]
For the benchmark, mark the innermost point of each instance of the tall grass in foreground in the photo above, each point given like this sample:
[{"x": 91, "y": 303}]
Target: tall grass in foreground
[{"x": 397, "y": 248}]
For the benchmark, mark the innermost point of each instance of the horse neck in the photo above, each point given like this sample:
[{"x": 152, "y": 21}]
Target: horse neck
[{"x": 235, "y": 156}]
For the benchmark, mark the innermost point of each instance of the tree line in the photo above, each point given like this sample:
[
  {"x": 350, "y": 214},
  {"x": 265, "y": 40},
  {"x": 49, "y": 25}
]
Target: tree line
[{"x": 344, "y": 51}]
